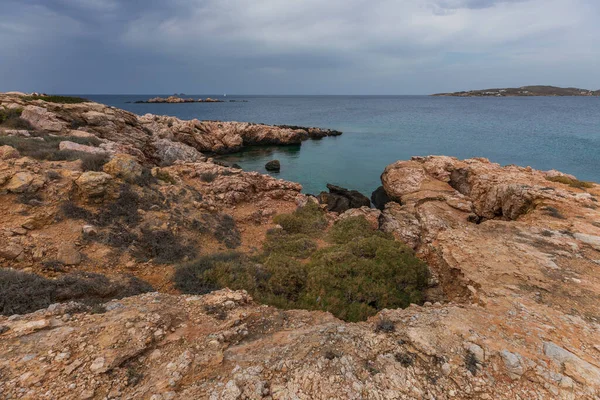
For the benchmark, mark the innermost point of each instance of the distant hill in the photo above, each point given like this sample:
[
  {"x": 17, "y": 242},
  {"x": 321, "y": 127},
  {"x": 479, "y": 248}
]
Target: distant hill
[{"x": 524, "y": 91}]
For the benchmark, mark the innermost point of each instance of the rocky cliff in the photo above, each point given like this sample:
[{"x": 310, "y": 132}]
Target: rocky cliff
[{"x": 511, "y": 311}]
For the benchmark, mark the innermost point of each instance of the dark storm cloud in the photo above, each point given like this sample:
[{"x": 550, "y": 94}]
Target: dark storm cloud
[{"x": 309, "y": 46}]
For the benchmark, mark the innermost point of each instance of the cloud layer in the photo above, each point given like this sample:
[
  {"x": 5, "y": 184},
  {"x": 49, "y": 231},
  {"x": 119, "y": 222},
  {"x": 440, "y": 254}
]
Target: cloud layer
[{"x": 308, "y": 46}]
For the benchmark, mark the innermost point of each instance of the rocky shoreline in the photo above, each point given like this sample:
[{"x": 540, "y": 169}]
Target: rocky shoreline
[{"x": 510, "y": 309}]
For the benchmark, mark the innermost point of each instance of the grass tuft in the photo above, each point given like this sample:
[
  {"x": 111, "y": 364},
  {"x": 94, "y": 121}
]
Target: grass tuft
[{"x": 571, "y": 182}]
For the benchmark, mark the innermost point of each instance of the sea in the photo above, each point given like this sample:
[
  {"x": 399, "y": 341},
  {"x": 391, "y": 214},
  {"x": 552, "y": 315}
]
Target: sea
[{"x": 545, "y": 133}]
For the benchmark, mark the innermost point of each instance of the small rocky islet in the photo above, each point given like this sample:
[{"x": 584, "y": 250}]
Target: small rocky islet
[
  {"x": 179, "y": 100},
  {"x": 104, "y": 215}
]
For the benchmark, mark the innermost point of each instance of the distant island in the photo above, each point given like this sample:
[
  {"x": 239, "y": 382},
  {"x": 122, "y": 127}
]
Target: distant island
[
  {"x": 176, "y": 99},
  {"x": 524, "y": 91}
]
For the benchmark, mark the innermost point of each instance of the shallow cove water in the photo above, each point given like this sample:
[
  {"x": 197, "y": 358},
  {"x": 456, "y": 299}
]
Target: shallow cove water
[{"x": 543, "y": 132}]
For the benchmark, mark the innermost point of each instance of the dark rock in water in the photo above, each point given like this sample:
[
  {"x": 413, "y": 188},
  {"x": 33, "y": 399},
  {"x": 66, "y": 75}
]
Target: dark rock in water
[
  {"x": 273, "y": 165},
  {"x": 380, "y": 198},
  {"x": 340, "y": 199}
]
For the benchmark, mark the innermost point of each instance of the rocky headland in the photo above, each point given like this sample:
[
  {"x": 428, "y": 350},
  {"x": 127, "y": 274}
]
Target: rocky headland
[
  {"x": 100, "y": 207},
  {"x": 524, "y": 91}
]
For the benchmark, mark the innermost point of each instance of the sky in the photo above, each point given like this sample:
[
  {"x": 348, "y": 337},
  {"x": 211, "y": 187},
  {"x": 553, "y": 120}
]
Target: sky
[{"x": 296, "y": 46}]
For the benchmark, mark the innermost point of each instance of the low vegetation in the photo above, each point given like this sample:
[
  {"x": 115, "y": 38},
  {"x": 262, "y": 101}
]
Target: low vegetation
[
  {"x": 22, "y": 293},
  {"x": 93, "y": 162},
  {"x": 120, "y": 226},
  {"x": 208, "y": 177},
  {"x": 308, "y": 220},
  {"x": 360, "y": 272},
  {"x": 46, "y": 147},
  {"x": 162, "y": 246},
  {"x": 11, "y": 119},
  {"x": 571, "y": 182},
  {"x": 57, "y": 99}
]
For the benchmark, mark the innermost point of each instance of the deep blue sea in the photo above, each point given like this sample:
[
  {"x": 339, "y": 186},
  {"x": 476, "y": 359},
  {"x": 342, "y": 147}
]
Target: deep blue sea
[{"x": 543, "y": 132}]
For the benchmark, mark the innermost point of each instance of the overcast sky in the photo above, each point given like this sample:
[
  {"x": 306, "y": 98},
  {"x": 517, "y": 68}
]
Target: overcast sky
[{"x": 296, "y": 46}]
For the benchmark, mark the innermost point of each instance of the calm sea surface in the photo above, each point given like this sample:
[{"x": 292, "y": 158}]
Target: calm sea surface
[{"x": 544, "y": 132}]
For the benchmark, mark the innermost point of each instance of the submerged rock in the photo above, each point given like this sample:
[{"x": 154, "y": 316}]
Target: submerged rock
[{"x": 273, "y": 165}]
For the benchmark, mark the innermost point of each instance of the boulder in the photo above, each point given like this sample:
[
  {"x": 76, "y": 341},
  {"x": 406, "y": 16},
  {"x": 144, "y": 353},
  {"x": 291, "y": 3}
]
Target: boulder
[
  {"x": 68, "y": 254},
  {"x": 168, "y": 152},
  {"x": 72, "y": 146},
  {"x": 379, "y": 198},
  {"x": 273, "y": 165},
  {"x": 17, "y": 132},
  {"x": 97, "y": 118},
  {"x": 20, "y": 182},
  {"x": 93, "y": 184},
  {"x": 42, "y": 119},
  {"x": 340, "y": 199},
  {"x": 10, "y": 251},
  {"x": 124, "y": 166},
  {"x": 81, "y": 134},
  {"x": 8, "y": 152}
]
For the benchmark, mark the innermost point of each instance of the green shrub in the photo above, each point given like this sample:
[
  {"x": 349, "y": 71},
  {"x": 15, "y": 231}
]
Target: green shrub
[
  {"x": 308, "y": 220},
  {"x": 571, "y": 182},
  {"x": 353, "y": 280},
  {"x": 214, "y": 272},
  {"x": 286, "y": 280},
  {"x": 294, "y": 245},
  {"x": 9, "y": 113},
  {"x": 11, "y": 119},
  {"x": 57, "y": 99},
  {"x": 353, "y": 228},
  {"x": 22, "y": 293}
]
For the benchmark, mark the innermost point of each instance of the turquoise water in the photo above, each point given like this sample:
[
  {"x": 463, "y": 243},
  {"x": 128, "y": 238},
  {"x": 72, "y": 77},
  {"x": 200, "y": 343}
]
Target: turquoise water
[{"x": 543, "y": 132}]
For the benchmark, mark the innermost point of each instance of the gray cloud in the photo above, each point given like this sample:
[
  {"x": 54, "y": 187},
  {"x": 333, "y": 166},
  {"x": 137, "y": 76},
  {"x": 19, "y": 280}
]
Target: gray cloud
[{"x": 310, "y": 46}]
